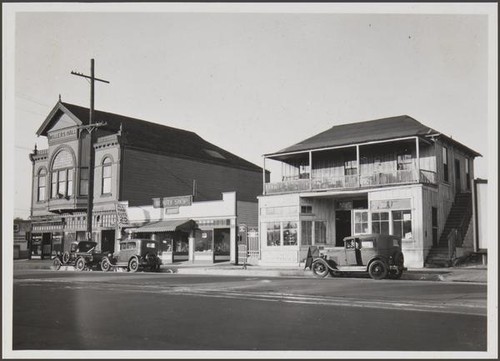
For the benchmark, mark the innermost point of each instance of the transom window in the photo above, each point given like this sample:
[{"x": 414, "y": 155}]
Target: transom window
[{"x": 106, "y": 176}]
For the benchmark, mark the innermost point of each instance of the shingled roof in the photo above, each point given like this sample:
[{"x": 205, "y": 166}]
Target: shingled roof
[
  {"x": 155, "y": 137},
  {"x": 372, "y": 130}
]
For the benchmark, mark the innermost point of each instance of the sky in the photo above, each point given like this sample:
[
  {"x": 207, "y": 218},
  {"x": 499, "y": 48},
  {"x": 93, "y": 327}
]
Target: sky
[{"x": 252, "y": 82}]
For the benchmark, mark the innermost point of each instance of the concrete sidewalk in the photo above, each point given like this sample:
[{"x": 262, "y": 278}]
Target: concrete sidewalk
[{"x": 476, "y": 273}]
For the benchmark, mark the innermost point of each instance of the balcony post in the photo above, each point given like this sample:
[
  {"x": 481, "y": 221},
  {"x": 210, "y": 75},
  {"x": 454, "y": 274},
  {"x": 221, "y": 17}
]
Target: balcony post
[
  {"x": 418, "y": 159},
  {"x": 310, "y": 170},
  {"x": 264, "y": 177},
  {"x": 359, "y": 165}
]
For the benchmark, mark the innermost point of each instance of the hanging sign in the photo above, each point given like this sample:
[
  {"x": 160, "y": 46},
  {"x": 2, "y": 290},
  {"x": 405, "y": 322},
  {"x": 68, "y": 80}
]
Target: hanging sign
[{"x": 121, "y": 214}]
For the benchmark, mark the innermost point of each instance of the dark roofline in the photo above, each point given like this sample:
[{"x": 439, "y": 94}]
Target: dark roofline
[
  {"x": 425, "y": 133},
  {"x": 114, "y": 121}
]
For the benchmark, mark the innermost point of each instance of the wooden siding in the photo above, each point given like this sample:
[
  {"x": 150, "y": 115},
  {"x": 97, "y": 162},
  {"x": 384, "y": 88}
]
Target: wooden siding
[
  {"x": 247, "y": 213},
  {"x": 147, "y": 175},
  {"x": 324, "y": 210},
  {"x": 430, "y": 199}
]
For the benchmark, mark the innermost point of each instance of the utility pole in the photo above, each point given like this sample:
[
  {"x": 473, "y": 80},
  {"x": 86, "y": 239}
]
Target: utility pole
[{"x": 90, "y": 127}]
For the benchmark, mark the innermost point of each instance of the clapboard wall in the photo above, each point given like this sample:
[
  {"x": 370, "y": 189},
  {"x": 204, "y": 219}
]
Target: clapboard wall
[{"x": 146, "y": 175}]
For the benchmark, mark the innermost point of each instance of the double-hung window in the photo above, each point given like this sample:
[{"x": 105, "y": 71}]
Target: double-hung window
[
  {"x": 106, "y": 176},
  {"x": 446, "y": 175},
  {"x": 41, "y": 185}
]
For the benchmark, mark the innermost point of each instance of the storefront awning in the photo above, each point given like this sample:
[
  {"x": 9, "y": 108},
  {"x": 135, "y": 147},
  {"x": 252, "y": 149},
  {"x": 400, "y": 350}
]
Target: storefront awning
[{"x": 185, "y": 225}]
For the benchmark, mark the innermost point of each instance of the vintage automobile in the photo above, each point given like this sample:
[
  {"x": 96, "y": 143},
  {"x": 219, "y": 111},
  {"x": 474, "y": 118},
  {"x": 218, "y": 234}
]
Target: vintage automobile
[
  {"x": 379, "y": 255},
  {"x": 82, "y": 255},
  {"x": 133, "y": 254}
]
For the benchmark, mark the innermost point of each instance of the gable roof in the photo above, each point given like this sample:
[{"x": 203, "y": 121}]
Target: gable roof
[
  {"x": 152, "y": 136},
  {"x": 368, "y": 131}
]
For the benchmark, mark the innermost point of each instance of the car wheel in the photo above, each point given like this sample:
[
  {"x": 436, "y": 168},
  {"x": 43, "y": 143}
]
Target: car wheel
[
  {"x": 320, "y": 268},
  {"x": 395, "y": 275},
  {"x": 377, "y": 270},
  {"x": 57, "y": 264},
  {"x": 80, "y": 264},
  {"x": 66, "y": 257},
  {"x": 105, "y": 264},
  {"x": 133, "y": 264}
]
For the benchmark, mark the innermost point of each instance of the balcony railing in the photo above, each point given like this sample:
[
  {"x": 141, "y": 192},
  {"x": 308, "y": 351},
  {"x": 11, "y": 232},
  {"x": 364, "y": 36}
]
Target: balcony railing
[{"x": 351, "y": 181}]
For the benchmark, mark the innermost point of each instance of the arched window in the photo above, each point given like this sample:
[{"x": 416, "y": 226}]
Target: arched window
[
  {"x": 106, "y": 176},
  {"x": 41, "y": 185},
  {"x": 62, "y": 175}
]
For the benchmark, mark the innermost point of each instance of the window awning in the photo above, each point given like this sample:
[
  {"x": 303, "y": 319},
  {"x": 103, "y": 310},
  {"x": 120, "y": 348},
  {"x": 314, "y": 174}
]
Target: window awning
[{"x": 185, "y": 225}]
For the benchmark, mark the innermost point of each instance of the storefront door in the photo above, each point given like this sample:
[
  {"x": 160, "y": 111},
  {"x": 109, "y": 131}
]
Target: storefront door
[
  {"x": 342, "y": 227},
  {"x": 222, "y": 245},
  {"x": 46, "y": 245},
  {"x": 108, "y": 241}
]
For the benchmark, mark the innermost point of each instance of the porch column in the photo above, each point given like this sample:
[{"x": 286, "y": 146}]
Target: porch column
[
  {"x": 418, "y": 159},
  {"x": 191, "y": 246},
  {"x": 310, "y": 170},
  {"x": 264, "y": 177},
  {"x": 359, "y": 165}
]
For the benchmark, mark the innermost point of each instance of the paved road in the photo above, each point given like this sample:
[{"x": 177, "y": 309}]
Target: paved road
[{"x": 94, "y": 310}]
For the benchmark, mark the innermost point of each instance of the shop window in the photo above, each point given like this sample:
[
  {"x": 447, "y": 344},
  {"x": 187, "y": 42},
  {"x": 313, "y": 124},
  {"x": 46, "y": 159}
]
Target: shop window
[
  {"x": 41, "y": 185},
  {"x": 401, "y": 223},
  {"x": 290, "y": 234},
  {"x": 446, "y": 176},
  {"x": 273, "y": 233},
  {"x": 306, "y": 233},
  {"x": 181, "y": 246},
  {"x": 84, "y": 181},
  {"x": 380, "y": 222},
  {"x": 360, "y": 222},
  {"x": 404, "y": 161},
  {"x": 203, "y": 241},
  {"x": 319, "y": 232},
  {"x": 106, "y": 176}
]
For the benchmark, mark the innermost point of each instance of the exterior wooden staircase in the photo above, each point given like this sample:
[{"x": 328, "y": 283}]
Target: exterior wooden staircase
[{"x": 454, "y": 232}]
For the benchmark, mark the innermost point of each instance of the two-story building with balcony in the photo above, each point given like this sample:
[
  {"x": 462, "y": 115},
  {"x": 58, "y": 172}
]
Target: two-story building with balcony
[
  {"x": 389, "y": 176},
  {"x": 137, "y": 163}
]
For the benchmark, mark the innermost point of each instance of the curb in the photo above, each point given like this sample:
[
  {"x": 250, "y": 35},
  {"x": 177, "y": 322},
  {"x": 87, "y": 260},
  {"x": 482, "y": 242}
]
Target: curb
[{"x": 419, "y": 275}]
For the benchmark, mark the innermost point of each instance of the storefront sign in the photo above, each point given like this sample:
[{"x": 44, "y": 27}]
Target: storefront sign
[
  {"x": 62, "y": 134},
  {"x": 390, "y": 204},
  {"x": 177, "y": 201},
  {"x": 121, "y": 214}
]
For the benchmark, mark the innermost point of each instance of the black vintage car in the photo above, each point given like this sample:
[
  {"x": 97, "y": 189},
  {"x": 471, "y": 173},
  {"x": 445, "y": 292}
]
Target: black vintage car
[
  {"x": 82, "y": 255},
  {"x": 379, "y": 255},
  {"x": 134, "y": 254}
]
